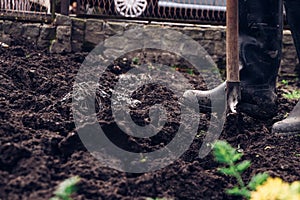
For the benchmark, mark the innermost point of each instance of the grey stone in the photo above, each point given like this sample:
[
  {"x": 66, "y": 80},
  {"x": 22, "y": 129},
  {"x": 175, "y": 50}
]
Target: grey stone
[
  {"x": 154, "y": 34},
  {"x": 154, "y": 43},
  {"x": 95, "y": 38},
  {"x": 77, "y": 34},
  {"x": 93, "y": 25},
  {"x": 173, "y": 45},
  {"x": 195, "y": 33},
  {"x": 111, "y": 54},
  {"x": 94, "y": 31},
  {"x": 31, "y": 31},
  {"x": 63, "y": 33},
  {"x": 116, "y": 43},
  {"x": 7, "y": 26},
  {"x": 60, "y": 47},
  {"x": 191, "y": 49},
  {"x": 62, "y": 20},
  {"x": 209, "y": 46},
  {"x": 48, "y": 32},
  {"x": 13, "y": 28},
  {"x": 138, "y": 36},
  {"x": 113, "y": 28},
  {"x": 134, "y": 26},
  {"x": 16, "y": 30},
  {"x": 78, "y": 23},
  {"x": 213, "y": 34},
  {"x": 173, "y": 35},
  {"x": 6, "y": 39},
  {"x": 220, "y": 48},
  {"x": 76, "y": 46},
  {"x": 43, "y": 44},
  {"x": 119, "y": 26},
  {"x": 78, "y": 29}
]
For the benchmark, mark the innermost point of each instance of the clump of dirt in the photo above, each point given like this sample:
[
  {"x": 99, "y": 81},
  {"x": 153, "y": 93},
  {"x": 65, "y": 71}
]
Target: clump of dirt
[{"x": 40, "y": 146}]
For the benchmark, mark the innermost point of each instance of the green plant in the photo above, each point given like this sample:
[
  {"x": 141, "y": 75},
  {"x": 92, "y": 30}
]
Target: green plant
[
  {"x": 135, "y": 60},
  {"x": 227, "y": 155},
  {"x": 284, "y": 82},
  {"x": 66, "y": 188},
  {"x": 190, "y": 71},
  {"x": 295, "y": 94}
]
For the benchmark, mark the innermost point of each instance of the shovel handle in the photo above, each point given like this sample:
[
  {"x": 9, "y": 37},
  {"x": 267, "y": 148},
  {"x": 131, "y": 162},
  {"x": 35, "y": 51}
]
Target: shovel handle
[
  {"x": 232, "y": 50},
  {"x": 232, "y": 56}
]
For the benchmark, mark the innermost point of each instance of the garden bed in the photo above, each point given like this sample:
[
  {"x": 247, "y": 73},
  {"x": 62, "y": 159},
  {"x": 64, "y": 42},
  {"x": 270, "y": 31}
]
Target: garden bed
[{"x": 39, "y": 145}]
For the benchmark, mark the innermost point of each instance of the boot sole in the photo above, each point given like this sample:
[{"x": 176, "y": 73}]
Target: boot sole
[{"x": 290, "y": 133}]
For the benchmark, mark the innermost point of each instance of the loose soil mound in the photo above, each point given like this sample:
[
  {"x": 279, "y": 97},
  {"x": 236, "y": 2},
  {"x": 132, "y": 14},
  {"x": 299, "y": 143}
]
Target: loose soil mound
[{"x": 40, "y": 147}]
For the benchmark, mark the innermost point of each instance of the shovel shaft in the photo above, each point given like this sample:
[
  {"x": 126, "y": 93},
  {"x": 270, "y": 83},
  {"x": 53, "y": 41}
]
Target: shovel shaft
[
  {"x": 232, "y": 52},
  {"x": 232, "y": 56}
]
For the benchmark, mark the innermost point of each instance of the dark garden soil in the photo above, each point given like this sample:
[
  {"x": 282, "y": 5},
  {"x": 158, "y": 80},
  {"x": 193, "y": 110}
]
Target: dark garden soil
[{"x": 39, "y": 145}]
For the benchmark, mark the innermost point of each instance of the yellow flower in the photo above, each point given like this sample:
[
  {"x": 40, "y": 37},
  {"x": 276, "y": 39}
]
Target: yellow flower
[
  {"x": 295, "y": 190},
  {"x": 276, "y": 189}
]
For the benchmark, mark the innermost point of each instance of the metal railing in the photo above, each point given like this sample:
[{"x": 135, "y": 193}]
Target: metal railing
[
  {"x": 196, "y": 11},
  {"x": 36, "y": 10}
]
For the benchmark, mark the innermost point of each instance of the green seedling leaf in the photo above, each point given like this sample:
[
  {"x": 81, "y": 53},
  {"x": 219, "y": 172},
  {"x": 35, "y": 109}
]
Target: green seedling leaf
[
  {"x": 228, "y": 171},
  {"x": 233, "y": 191},
  {"x": 237, "y": 157},
  {"x": 239, "y": 192},
  {"x": 223, "y": 152},
  {"x": 66, "y": 188},
  {"x": 242, "y": 166},
  {"x": 257, "y": 180}
]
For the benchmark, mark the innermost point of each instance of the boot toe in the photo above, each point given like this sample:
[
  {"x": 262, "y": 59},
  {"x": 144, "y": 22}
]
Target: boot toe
[{"x": 289, "y": 126}]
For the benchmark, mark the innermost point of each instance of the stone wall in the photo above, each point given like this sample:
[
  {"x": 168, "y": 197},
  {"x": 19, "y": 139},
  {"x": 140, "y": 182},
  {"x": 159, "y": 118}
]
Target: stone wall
[{"x": 69, "y": 34}]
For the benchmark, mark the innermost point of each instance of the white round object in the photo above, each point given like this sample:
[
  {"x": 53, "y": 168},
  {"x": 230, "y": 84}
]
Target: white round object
[{"x": 130, "y": 8}]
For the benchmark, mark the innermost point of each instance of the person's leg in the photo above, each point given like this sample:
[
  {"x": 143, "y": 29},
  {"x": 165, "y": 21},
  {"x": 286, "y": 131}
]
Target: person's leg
[
  {"x": 291, "y": 125},
  {"x": 260, "y": 54},
  {"x": 260, "y": 31},
  {"x": 293, "y": 18}
]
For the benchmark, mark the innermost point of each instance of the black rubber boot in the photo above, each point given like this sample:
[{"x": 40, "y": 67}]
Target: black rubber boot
[
  {"x": 292, "y": 8},
  {"x": 260, "y": 24},
  {"x": 290, "y": 125},
  {"x": 293, "y": 15}
]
